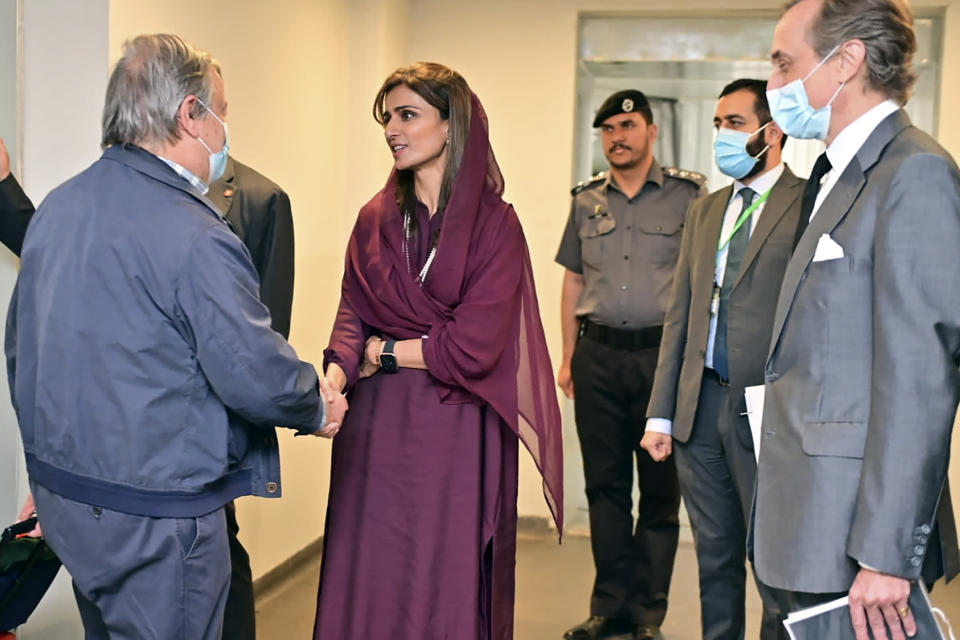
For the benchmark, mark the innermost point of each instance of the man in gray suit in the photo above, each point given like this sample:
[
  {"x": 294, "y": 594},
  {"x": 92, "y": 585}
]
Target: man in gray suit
[
  {"x": 862, "y": 382},
  {"x": 715, "y": 340}
]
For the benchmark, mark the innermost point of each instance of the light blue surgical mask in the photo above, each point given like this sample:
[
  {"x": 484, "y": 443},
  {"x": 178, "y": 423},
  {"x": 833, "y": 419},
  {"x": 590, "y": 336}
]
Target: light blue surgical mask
[
  {"x": 218, "y": 160},
  {"x": 730, "y": 152},
  {"x": 791, "y": 110}
]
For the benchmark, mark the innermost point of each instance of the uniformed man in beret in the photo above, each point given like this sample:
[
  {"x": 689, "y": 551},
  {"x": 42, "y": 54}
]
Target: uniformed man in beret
[{"x": 619, "y": 250}]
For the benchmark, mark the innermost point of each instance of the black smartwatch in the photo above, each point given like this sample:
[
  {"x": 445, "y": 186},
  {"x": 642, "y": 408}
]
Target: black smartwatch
[{"x": 388, "y": 361}]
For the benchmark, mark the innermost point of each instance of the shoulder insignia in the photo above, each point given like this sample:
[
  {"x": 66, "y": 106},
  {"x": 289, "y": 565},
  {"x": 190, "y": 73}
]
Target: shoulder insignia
[
  {"x": 586, "y": 184},
  {"x": 697, "y": 179}
]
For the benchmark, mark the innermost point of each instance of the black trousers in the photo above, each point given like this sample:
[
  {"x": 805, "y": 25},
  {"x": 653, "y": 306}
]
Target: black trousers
[
  {"x": 717, "y": 471},
  {"x": 634, "y": 561},
  {"x": 239, "y": 619},
  {"x": 790, "y": 601}
]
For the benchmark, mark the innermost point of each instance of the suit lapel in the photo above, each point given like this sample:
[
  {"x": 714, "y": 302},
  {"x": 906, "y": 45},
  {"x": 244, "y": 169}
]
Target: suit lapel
[
  {"x": 711, "y": 236},
  {"x": 833, "y": 209},
  {"x": 784, "y": 192}
]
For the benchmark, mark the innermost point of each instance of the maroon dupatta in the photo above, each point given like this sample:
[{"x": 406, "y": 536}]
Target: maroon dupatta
[{"x": 477, "y": 307}]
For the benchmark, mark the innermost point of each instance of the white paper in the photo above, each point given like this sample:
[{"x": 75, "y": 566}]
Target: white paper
[
  {"x": 803, "y": 614},
  {"x": 827, "y": 249},
  {"x": 816, "y": 610},
  {"x": 754, "y": 397}
]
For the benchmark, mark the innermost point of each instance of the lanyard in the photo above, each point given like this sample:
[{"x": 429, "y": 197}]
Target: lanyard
[{"x": 743, "y": 218}]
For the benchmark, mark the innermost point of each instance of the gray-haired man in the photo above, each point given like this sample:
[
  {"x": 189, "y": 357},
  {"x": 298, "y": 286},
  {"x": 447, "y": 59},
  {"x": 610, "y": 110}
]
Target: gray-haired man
[{"x": 134, "y": 337}]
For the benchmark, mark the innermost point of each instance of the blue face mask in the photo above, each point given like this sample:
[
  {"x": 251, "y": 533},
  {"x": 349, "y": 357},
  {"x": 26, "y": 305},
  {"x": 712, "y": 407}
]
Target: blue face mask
[
  {"x": 731, "y": 155},
  {"x": 791, "y": 110},
  {"x": 218, "y": 160}
]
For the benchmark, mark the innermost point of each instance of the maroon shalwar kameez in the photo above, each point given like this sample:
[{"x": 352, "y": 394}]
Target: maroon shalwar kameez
[{"x": 420, "y": 540}]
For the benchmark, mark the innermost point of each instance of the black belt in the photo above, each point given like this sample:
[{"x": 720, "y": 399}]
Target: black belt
[
  {"x": 714, "y": 375},
  {"x": 623, "y": 339}
]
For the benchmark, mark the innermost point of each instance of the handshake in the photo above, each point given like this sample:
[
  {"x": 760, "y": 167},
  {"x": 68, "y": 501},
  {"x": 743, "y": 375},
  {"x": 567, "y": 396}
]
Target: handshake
[
  {"x": 335, "y": 403},
  {"x": 335, "y": 381}
]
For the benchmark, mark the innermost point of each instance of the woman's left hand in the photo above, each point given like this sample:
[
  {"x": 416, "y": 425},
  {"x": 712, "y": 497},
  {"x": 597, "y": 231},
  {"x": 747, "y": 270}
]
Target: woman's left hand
[{"x": 371, "y": 357}]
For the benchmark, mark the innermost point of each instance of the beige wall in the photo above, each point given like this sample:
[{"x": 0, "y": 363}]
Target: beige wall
[{"x": 300, "y": 76}]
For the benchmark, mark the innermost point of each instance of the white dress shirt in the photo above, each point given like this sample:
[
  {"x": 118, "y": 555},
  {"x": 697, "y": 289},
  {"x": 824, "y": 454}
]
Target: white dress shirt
[
  {"x": 761, "y": 184},
  {"x": 846, "y": 145}
]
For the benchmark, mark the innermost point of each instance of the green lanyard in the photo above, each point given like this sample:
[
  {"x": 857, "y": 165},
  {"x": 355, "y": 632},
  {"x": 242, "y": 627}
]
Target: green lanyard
[{"x": 743, "y": 218}]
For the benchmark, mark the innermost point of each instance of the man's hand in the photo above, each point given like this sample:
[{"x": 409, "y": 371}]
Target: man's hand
[
  {"x": 29, "y": 510},
  {"x": 336, "y": 406},
  {"x": 4, "y": 161},
  {"x": 879, "y": 601},
  {"x": 565, "y": 380},
  {"x": 371, "y": 357},
  {"x": 658, "y": 445}
]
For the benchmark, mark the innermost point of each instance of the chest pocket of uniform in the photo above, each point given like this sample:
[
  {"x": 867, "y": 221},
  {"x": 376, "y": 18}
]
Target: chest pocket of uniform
[
  {"x": 662, "y": 237},
  {"x": 595, "y": 234}
]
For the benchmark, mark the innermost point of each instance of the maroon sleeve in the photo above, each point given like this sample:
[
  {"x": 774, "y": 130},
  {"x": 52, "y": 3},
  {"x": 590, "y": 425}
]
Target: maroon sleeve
[{"x": 347, "y": 340}]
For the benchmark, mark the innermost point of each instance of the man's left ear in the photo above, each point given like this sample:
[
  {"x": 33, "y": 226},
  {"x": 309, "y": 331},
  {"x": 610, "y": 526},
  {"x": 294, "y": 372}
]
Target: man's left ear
[
  {"x": 850, "y": 57},
  {"x": 772, "y": 134},
  {"x": 653, "y": 131},
  {"x": 186, "y": 116}
]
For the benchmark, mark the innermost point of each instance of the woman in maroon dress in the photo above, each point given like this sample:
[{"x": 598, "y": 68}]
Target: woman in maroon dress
[{"x": 438, "y": 340}]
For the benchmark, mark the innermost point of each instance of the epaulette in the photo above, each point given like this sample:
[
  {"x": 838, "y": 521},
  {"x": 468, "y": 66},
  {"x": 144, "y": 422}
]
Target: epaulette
[
  {"x": 600, "y": 177},
  {"x": 691, "y": 176}
]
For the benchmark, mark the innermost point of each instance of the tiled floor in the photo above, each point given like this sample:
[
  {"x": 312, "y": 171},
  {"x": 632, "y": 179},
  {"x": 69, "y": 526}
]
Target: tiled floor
[{"x": 553, "y": 584}]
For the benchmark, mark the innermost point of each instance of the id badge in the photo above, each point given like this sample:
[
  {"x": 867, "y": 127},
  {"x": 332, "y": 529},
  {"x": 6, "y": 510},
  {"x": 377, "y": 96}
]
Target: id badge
[{"x": 715, "y": 301}]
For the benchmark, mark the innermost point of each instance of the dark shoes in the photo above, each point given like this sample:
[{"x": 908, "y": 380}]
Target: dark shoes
[
  {"x": 647, "y": 632},
  {"x": 598, "y": 628}
]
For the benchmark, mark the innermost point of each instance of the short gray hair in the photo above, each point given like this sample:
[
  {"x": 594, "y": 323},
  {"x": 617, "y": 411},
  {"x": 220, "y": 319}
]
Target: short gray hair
[
  {"x": 151, "y": 80},
  {"x": 886, "y": 29}
]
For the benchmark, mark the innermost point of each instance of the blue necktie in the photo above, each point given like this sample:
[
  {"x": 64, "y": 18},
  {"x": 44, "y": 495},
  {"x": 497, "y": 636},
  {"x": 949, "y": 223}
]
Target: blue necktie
[{"x": 736, "y": 248}]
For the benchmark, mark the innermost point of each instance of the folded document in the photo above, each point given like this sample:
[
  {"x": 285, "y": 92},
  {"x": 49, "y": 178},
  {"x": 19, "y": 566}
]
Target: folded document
[{"x": 831, "y": 620}]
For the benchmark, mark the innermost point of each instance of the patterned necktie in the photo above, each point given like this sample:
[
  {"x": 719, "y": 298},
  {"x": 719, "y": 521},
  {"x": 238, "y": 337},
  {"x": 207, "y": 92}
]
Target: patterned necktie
[
  {"x": 820, "y": 168},
  {"x": 736, "y": 248}
]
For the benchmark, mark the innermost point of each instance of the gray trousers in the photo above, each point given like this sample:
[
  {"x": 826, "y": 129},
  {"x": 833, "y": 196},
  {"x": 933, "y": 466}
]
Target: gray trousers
[
  {"x": 140, "y": 578},
  {"x": 717, "y": 471}
]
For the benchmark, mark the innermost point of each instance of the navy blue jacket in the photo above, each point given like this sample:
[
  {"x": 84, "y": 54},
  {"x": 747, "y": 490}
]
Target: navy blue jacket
[{"x": 134, "y": 333}]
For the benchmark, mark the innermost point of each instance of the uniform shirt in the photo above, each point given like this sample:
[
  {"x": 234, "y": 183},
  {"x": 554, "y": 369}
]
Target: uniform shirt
[{"x": 627, "y": 248}]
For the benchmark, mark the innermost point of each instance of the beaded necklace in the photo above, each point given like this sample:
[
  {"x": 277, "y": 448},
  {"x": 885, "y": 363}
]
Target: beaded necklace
[{"x": 407, "y": 234}]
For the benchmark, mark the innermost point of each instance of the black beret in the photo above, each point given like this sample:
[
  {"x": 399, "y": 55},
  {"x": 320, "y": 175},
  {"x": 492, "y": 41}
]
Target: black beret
[{"x": 627, "y": 101}]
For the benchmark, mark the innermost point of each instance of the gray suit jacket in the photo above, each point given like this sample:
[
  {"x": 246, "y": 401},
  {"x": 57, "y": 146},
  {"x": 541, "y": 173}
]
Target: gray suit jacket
[
  {"x": 862, "y": 382},
  {"x": 686, "y": 327}
]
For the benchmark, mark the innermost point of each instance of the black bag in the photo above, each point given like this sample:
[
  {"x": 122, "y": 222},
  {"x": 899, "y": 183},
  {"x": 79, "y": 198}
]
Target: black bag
[{"x": 27, "y": 568}]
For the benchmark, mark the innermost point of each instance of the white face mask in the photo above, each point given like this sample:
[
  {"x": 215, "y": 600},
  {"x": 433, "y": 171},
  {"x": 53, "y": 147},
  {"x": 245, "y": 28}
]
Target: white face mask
[{"x": 791, "y": 110}]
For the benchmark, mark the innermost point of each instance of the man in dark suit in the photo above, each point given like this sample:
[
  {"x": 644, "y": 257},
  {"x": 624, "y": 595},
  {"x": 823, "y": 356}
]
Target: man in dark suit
[
  {"x": 259, "y": 212},
  {"x": 715, "y": 340},
  {"x": 15, "y": 207},
  {"x": 862, "y": 382}
]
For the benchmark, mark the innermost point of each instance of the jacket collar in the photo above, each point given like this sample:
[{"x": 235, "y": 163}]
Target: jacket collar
[{"x": 143, "y": 161}]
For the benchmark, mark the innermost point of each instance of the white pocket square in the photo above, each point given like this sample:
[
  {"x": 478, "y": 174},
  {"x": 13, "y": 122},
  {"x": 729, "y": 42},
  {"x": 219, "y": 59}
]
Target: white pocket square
[{"x": 827, "y": 249}]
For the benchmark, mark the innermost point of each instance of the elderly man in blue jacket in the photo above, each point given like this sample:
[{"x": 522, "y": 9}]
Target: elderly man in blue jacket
[{"x": 135, "y": 340}]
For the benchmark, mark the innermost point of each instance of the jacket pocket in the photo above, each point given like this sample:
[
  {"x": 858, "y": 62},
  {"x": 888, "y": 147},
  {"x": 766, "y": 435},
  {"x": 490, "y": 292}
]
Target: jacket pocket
[
  {"x": 188, "y": 532},
  {"x": 839, "y": 439}
]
